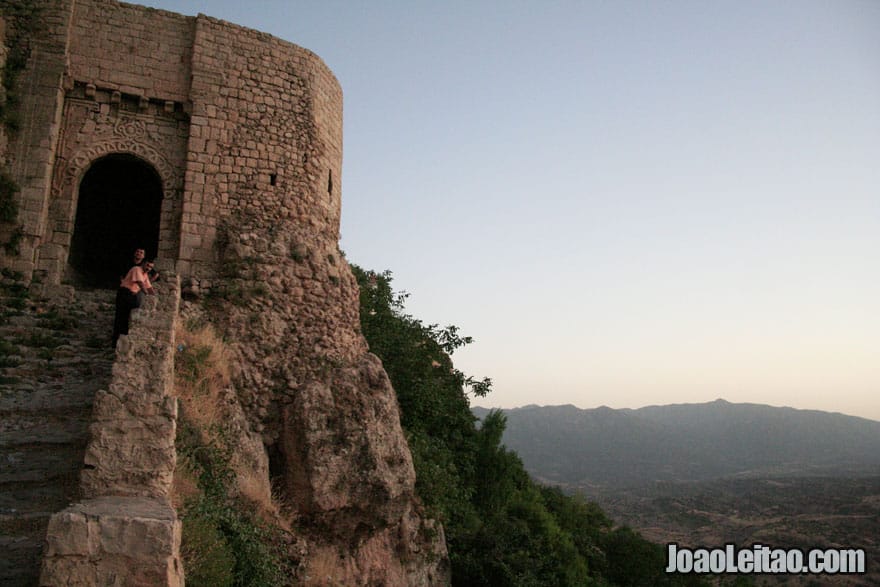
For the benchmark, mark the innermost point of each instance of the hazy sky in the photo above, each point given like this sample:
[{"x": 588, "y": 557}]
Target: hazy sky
[{"x": 624, "y": 203}]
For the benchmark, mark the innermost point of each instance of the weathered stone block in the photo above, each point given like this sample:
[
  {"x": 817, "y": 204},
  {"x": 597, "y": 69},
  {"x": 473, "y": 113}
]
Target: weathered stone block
[{"x": 113, "y": 541}]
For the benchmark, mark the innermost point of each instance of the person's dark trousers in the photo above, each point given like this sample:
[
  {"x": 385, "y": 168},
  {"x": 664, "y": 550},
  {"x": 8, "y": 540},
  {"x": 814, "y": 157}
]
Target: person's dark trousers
[{"x": 125, "y": 303}]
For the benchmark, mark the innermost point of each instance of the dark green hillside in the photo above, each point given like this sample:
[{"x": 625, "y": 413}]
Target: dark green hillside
[
  {"x": 695, "y": 442},
  {"x": 501, "y": 527}
]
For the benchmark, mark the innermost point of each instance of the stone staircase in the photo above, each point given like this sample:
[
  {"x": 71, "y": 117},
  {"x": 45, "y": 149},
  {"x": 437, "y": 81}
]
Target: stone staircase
[{"x": 54, "y": 355}]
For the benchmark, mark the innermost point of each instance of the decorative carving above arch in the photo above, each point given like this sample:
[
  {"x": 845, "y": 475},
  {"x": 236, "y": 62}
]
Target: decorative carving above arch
[
  {"x": 94, "y": 129},
  {"x": 128, "y": 135}
]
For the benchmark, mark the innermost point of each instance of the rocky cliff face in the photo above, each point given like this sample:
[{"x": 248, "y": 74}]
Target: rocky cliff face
[{"x": 317, "y": 414}]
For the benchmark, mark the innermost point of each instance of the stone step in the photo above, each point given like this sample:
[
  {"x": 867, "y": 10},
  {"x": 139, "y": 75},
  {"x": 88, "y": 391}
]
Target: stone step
[
  {"x": 32, "y": 497},
  {"x": 28, "y": 350},
  {"x": 56, "y": 356},
  {"x": 21, "y": 543},
  {"x": 67, "y": 424},
  {"x": 49, "y": 369},
  {"x": 23, "y": 523},
  {"x": 58, "y": 398},
  {"x": 20, "y": 561},
  {"x": 43, "y": 434},
  {"x": 40, "y": 463}
]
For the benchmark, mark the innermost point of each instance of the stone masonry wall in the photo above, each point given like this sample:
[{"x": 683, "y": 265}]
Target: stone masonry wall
[
  {"x": 265, "y": 134},
  {"x": 126, "y": 91},
  {"x": 32, "y": 151},
  {"x": 267, "y": 112},
  {"x": 266, "y": 139},
  {"x": 98, "y": 122},
  {"x": 148, "y": 53}
]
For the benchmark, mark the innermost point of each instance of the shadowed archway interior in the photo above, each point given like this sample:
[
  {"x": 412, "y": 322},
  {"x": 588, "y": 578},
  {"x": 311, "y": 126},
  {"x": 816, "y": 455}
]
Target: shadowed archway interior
[{"x": 118, "y": 210}]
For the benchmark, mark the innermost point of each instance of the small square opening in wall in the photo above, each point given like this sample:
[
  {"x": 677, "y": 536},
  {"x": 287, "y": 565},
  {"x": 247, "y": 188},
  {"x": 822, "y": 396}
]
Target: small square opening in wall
[{"x": 273, "y": 179}]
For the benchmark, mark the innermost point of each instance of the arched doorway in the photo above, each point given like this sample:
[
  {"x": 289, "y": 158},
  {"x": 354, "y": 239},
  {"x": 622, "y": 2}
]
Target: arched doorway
[{"x": 118, "y": 210}]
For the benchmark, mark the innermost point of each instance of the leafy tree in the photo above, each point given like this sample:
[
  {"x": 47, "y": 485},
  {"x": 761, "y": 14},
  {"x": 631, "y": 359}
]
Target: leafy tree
[
  {"x": 585, "y": 522},
  {"x": 434, "y": 411}
]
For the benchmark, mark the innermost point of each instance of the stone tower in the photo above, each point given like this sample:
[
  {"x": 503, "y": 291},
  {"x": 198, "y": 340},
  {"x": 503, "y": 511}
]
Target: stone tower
[{"x": 211, "y": 118}]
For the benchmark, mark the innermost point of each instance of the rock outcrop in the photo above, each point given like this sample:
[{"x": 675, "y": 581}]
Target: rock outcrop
[
  {"x": 349, "y": 470},
  {"x": 323, "y": 407}
]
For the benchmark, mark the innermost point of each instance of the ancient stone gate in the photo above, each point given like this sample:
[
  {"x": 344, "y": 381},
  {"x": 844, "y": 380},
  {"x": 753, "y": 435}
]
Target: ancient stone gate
[
  {"x": 230, "y": 120},
  {"x": 97, "y": 125}
]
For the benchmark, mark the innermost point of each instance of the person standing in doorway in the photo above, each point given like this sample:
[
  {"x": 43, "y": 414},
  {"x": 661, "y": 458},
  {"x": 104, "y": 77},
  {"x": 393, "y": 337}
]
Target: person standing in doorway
[
  {"x": 129, "y": 296},
  {"x": 149, "y": 266},
  {"x": 136, "y": 259}
]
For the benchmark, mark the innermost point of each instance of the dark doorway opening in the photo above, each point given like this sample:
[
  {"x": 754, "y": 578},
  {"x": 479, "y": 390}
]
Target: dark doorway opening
[{"x": 120, "y": 202}]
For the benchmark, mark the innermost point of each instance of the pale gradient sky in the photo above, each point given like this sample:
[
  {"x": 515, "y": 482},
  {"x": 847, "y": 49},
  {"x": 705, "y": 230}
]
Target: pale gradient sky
[{"x": 624, "y": 203}]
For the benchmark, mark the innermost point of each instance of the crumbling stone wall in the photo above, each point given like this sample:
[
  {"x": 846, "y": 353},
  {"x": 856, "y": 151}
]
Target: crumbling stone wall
[
  {"x": 134, "y": 421},
  {"x": 125, "y": 531}
]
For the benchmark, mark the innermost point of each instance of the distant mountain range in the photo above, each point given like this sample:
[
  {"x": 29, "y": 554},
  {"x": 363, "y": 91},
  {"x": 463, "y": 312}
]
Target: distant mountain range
[{"x": 604, "y": 447}]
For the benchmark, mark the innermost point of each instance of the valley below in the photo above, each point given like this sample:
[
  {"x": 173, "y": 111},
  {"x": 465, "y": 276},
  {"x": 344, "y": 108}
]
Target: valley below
[
  {"x": 707, "y": 475},
  {"x": 779, "y": 512}
]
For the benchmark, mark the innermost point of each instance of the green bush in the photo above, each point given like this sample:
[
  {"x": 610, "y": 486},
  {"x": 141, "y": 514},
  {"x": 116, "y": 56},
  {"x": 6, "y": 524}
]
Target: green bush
[
  {"x": 208, "y": 558},
  {"x": 192, "y": 362},
  {"x": 256, "y": 558},
  {"x": 224, "y": 544}
]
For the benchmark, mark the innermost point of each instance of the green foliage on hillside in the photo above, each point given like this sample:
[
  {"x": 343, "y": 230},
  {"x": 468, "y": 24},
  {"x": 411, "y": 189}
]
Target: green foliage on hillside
[{"x": 502, "y": 528}]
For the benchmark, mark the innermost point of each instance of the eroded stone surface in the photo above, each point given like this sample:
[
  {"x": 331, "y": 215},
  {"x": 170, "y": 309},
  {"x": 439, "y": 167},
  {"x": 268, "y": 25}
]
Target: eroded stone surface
[
  {"x": 126, "y": 532},
  {"x": 346, "y": 456},
  {"x": 134, "y": 422}
]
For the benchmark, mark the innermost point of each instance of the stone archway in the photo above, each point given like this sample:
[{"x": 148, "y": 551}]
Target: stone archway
[
  {"x": 118, "y": 209},
  {"x": 154, "y": 138}
]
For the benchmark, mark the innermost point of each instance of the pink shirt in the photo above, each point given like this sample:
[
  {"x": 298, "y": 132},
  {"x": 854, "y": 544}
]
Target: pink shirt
[{"x": 131, "y": 279}]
